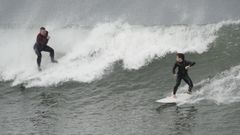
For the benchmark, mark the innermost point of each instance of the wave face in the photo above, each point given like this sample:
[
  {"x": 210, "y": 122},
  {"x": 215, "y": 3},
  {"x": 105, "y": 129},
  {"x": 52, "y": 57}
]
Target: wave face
[{"x": 85, "y": 54}]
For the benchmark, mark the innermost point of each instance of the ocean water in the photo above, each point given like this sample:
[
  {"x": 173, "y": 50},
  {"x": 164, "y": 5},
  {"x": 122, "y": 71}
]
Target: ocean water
[{"x": 110, "y": 73}]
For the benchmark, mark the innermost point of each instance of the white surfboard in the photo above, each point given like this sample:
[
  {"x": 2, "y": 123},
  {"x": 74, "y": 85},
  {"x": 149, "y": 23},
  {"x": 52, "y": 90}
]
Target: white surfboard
[{"x": 179, "y": 98}]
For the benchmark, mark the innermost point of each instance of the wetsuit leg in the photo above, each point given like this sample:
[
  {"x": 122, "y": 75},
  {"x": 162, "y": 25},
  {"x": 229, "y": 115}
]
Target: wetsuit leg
[
  {"x": 178, "y": 82},
  {"x": 50, "y": 50},
  {"x": 39, "y": 55},
  {"x": 188, "y": 80}
]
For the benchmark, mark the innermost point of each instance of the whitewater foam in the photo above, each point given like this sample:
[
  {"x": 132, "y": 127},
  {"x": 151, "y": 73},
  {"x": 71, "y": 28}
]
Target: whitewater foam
[
  {"x": 221, "y": 89},
  {"x": 85, "y": 54}
]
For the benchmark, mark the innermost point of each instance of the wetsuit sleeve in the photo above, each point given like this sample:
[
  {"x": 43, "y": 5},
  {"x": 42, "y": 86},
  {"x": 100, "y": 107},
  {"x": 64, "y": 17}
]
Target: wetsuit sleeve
[
  {"x": 46, "y": 38},
  {"x": 174, "y": 68},
  {"x": 46, "y": 41},
  {"x": 189, "y": 63}
]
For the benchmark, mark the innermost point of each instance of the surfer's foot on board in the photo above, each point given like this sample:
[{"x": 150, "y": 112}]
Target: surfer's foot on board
[
  {"x": 54, "y": 61},
  {"x": 174, "y": 96},
  {"x": 189, "y": 92},
  {"x": 39, "y": 69}
]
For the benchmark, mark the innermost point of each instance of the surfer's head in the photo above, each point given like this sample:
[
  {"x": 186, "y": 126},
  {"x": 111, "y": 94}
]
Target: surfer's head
[
  {"x": 180, "y": 57},
  {"x": 43, "y": 31}
]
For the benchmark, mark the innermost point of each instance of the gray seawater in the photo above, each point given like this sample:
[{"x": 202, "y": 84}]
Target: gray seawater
[
  {"x": 122, "y": 102},
  {"x": 76, "y": 98}
]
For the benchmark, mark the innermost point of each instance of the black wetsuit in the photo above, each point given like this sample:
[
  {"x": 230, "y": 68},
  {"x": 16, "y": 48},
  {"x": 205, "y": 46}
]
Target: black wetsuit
[
  {"x": 182, "y": 74},
  {"x": 41, "y": 45}
]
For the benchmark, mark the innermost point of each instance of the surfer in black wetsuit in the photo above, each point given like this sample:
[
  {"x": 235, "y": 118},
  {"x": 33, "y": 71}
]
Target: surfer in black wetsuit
[
  {"x": 41, "y": 45},
  {"x": 182, "y": 73}
]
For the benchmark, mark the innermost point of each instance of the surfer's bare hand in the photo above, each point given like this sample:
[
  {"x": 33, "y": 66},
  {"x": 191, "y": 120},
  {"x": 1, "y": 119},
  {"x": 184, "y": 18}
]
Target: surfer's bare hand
[{"x": 187, "y": 67}]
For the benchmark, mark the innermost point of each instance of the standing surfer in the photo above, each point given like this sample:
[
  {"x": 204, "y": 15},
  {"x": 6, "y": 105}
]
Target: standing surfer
[
  {"x": 41, "y": 45},
  {"x": 182, "y": 73}
]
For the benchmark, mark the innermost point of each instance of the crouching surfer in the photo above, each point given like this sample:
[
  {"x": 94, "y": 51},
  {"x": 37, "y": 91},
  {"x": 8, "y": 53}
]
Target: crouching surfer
[{"x": 41, "y": 45}]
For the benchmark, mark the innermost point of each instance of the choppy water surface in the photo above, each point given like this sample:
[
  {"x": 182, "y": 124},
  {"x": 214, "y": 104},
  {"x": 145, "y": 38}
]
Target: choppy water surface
[{"x": 111, "y": 72}]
